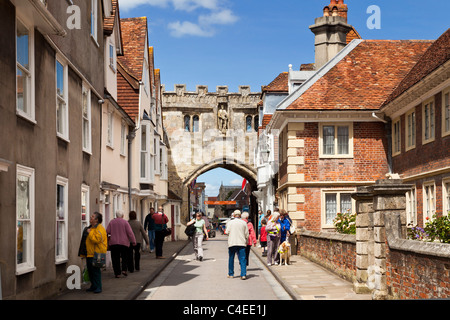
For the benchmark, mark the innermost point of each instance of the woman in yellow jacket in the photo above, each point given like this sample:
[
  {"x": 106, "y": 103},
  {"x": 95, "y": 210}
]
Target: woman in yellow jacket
[{"x": 96, "y": 241}]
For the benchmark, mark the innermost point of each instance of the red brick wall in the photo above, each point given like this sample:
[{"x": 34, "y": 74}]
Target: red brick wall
[
  {"x": 413, "y": 276},
  {"x": 427, "y": 157},
  {"x": 329, "y": 251},
  {"x": 369, "y": 161}
]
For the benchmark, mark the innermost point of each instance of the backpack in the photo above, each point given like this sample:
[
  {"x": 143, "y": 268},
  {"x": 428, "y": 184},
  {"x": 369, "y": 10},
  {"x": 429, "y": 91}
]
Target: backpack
[{"x": 190, "y": 230}]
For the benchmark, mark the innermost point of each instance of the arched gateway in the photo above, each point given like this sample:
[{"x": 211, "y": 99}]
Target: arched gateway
[{"x": 208, "y": 130}]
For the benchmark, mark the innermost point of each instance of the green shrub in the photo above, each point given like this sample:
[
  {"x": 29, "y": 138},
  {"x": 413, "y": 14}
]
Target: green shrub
[{"x": 345, "y": 223}]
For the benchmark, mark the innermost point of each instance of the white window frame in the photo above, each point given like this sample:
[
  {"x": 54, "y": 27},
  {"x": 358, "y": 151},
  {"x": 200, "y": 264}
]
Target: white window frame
[
  {"x": 157, "y": 153},
  {"x": 338, "y": 193},
  {"x": 144, "y": 162},
  {"x": 350, "y": 140},
  {"x": 411, "y": 207},
  {"x": 396, "y": 137},
  {"x": 123, "y": 138},
  {"x": 445, "y": 196},
  {"x": 94, "y": 20},
  {"x": 30, "y": 114},
  {"x": 164, "y": 164},
  {"x": 110, "y": 129},
  {"x": 28, "y": 265},
  {"x": 85, "y": 206},
  {"x": 64, "y": 99},
  {"x": 428, "y": 122},
  {"x": 429, "y": 200},
  {"x": 445, "y": 114},
  {"x": 410, "y": 130},
  {"x": 86, "y": 140},
  {"x": 64, "y": 255},
  {"x": 112, "y": 57}
]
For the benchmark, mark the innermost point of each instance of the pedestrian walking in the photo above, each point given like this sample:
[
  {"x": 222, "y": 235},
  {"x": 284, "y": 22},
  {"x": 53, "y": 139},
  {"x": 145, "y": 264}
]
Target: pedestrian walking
[
  {"x": 285, "y": 225},
  {"x": 160, "y": 220},
  {"x": 120, "y": 238},
  {"x": 237, "y": 232},
  {"x": 134, "y": 251},
  {"x": 263, "y": 237},
  {"x": 94, "y": 240},
  {"x": 273, "y": 238},
  {"x": 251, "y": 236},
  {"x": 197, "y": 239},
  {"x": 149, "y": 226},
  {"x": 260, "y": 217}
]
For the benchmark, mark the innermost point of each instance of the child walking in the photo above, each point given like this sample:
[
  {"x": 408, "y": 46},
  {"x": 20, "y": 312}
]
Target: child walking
[{"x": 263, "y": 237}]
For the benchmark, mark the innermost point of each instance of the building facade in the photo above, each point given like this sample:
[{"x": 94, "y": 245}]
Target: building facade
[{"x": 50, "y": 141}]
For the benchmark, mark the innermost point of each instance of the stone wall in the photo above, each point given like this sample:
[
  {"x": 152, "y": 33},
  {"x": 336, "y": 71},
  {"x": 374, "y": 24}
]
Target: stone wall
[{"x": 379, "y": 259}]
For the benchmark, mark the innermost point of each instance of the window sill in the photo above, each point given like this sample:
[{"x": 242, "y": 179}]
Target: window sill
[
  {"x": 60, "y": 136},
  {"x": 24, "y": 270},
  {"x": 61, "y": 261},
  {"x": 25, "y": 117}
]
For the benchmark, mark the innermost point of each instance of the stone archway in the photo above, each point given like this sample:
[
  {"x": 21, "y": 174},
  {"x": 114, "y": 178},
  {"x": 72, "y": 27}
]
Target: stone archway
[
  {"x": 208, "y": 130},
  {"x": 243, "y": 170}
]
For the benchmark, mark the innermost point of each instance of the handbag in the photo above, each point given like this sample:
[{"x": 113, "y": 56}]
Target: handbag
[
  {"x": 166, "y": 231},
  {"x": 292, "y": 230},
  {"x": 99, "y": 260},
  {"x": 190, "y": 230}
]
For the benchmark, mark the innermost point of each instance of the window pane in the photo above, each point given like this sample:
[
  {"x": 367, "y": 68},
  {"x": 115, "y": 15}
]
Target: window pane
[
  {"x": 22, "y": 240},
  {"x": 60, "y": 214},
  {"x": 85, "y": 134},
  {"x": 195, "y": 127},
  {"x": 23, "y": 197},
  {"x": 343, "y": 140},
  {"x": 60, "y": 111},
  {"x": 328, "y": 140},
  {"x": 22, "y": 90},
  {"x": 60, "y": 79},
  {"x": 346, "y": 203},
  {"x": 330, "y": 208},
  {"x": 22, "y": 45},
  {"x": 447, "y": 111},
  {"x": 187, "y": 126},
  {"x": 249, "y": 123},
  {"x": 59, "y": 238},
  {"x": 83, "y": 206}
]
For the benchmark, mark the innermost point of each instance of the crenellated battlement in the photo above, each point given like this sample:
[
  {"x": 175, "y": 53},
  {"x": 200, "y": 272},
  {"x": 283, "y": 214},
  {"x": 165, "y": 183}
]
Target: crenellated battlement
[{"x": 180, "y": 90}]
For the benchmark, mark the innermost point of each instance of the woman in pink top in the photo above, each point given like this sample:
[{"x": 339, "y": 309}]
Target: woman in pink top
[
  {"x": 120, "y": 236},
  {"x": 251, "y": 235}
]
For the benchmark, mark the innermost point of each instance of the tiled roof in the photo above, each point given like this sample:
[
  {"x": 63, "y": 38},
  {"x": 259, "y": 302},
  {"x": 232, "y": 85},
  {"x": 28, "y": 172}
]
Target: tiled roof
[
  {"x": 279, "y": 84},
  {"x": 127, "y": 92},
  {"x": 134, "y": 33},
  {"x": 363, "y": 78},
  {"x": 108, "y": 23},
  {"x": 265, "y": 121},
  {"x": 436, "y": 55}
]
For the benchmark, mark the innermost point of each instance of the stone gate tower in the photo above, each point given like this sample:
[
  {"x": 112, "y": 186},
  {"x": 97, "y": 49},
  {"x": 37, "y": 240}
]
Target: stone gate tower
[{"x": 207, "y": 130}]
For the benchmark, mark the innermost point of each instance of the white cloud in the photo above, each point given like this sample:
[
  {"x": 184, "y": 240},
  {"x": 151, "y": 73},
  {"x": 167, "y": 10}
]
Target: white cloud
[
  {"x": 211, "y": 190},
  {"x": 204, "y": 27},
  {"x": 220, "y": 17},
  {"x": 179, "y": 29}
]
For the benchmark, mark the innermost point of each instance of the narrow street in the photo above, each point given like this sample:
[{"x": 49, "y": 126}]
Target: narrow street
[{"x": 186, "y": 278}]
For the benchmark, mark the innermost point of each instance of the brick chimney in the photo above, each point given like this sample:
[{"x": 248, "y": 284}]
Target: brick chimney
[{"x": 330, "y": 31}]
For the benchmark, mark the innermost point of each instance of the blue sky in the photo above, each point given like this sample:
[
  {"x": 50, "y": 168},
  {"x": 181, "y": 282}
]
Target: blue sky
[{"x": 249, "y": 42}]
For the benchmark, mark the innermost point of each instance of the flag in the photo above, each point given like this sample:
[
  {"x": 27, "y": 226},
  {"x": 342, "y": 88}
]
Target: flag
[
  {"x": 244, "y": 183},
  {"x": 193, "y": 183}
]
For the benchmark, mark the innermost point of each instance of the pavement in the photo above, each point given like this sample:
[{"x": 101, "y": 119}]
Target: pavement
[
  {"x": 306, "y": 280},
  {"x": 302, "y": 279}
]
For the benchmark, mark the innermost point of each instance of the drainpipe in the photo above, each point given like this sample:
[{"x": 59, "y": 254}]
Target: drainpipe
[{"x": 131, "y": 135}]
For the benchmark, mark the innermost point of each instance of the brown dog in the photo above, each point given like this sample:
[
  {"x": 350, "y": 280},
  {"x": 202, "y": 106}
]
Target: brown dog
[{"x": 285, "y": 253}]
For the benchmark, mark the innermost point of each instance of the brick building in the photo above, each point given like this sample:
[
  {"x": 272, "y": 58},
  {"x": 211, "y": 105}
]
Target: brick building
[
  {"x": 332, "y": 135},
  {"x": 419, "y": 110}
]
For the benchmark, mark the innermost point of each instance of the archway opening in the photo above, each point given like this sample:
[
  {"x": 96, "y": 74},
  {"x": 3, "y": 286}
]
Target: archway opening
[{"x": 219, "y": 190}]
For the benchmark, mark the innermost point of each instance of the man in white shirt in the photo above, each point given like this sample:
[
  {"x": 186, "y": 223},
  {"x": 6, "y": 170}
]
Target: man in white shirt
[{"x": 237, "y": 232}]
